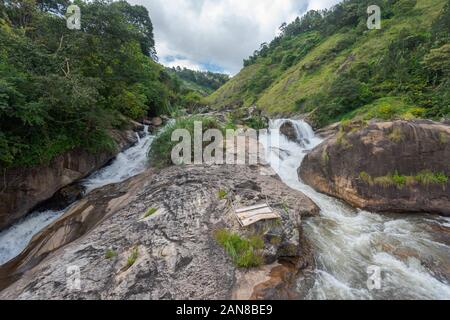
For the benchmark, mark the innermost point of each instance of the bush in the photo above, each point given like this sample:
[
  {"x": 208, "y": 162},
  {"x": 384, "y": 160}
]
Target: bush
[{"x": 161, "y": 149}]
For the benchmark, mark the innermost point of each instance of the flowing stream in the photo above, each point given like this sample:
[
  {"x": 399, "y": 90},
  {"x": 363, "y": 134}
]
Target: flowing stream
[
  {"x": 127, "y": 164},
  {"x": 411, "y": 251}
]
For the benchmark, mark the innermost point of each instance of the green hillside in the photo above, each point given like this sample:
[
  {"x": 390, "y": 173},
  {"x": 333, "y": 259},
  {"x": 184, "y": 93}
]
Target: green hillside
[
  {"x": 329, "y": 65},
  {"x": 202, "y": 82}
]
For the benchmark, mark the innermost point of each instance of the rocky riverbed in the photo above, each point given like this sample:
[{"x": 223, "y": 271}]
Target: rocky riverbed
[{"x": 176, "y": 255}]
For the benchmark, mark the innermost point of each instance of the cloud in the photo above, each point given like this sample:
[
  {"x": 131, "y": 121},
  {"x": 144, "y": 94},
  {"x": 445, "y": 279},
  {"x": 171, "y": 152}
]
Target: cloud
[{"x": 219, "y": 34}]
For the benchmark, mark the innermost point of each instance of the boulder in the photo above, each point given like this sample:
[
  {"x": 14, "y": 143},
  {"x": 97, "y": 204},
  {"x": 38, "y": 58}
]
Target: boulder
[
  {"x": 288, "y": 129},
  {"x": 400, "y": 166},
  {"x": 63, "y": 198},
  {"x": 174, "y": 253},
  {"x": 157, "y": 121},
  {"x": 22, "y": 189}
]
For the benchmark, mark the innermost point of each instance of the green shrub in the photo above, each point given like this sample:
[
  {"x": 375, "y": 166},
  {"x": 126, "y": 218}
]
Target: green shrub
[
  {"x": 222, "y": 194},
  {"x": 110, "y": 254},
  {"x": 244, "y": 252},
  {"x": 427, "y": 177},
  {"x": 257, "y": 122},
  {"x": 161, "y": 149}
]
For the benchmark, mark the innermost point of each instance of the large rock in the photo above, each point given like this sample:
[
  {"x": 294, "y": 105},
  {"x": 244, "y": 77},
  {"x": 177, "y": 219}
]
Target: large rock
[
  {"x": 375, "y": 166},
  {"x": 176, "y": 254},
  {"x": 288, "y": 129},
  {"x": 22, "y": 189}
]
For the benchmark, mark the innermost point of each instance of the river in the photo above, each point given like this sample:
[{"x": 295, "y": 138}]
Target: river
[{"x": 412, "y": 252}]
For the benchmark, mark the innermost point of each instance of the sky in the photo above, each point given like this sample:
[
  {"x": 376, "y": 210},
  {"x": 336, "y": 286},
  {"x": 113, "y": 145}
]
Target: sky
[{"x": 216, "y": 35}]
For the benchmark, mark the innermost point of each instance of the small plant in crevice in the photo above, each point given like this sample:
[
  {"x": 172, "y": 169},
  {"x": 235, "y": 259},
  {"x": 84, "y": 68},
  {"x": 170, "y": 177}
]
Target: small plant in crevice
[
  {"x": 132, "y": 258},
  {"x": 222, "y": 194},
  {"x": 110, "y": 254},
  {"x": 149, "y": 213},
  {"x": 245, "y": 252}
]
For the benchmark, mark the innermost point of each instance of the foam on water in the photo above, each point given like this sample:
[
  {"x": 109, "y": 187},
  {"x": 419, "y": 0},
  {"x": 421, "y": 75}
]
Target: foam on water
[
  {"x": 348, "y": 241},
  {"x": 127, "y": 164}
]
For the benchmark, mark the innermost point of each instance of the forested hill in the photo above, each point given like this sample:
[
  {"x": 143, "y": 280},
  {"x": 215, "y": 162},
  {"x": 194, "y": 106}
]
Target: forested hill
[
  {"x": 328, "y": 64},
  {"x": 203, "y": 82},
  {"x": 61, "y": 88}
]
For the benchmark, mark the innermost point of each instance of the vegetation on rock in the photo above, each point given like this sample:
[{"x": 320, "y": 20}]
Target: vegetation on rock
[{"x": 243, "y": 251}]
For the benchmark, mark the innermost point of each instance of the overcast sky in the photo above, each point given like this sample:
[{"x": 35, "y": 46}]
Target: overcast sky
[{"x": 217, "y": 35}]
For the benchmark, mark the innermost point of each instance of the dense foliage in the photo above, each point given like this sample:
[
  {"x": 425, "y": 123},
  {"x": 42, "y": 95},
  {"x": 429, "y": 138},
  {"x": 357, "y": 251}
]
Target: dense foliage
[
  {"x": 160, "y": 153},
  {"x": 329, "y": 65},
  {"x": 61, "y": 89},
  {"x": 204, "y": 82}
]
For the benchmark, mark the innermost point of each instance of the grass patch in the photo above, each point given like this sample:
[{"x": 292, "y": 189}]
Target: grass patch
[
  {"x": 424, "y": 178},
  {"x": 427, "y": 177},
  {"x": 245, "y": 252},
  {"x": 110, "y": 254},
  {"x": 150, "y": 212},
  {"x": 132, "y": 257},
  {"x": 161, "y": 150}
]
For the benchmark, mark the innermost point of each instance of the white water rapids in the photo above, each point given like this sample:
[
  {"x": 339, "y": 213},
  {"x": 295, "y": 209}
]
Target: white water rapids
[
  {"x": 412, "y": 250},
  {"x": 347, "y": 241},
  {"x": 127, "y": 164}
]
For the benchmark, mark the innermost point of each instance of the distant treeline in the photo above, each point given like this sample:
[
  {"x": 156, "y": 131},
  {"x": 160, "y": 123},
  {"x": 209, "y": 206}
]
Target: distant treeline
[{"x": 209, "y": 81}]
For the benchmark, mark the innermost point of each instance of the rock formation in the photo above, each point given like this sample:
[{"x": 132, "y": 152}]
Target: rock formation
[
  {"x": 400, "y": 166},
  {"x": 22, "y": 189},
  {"x": 170, "y": 253}
]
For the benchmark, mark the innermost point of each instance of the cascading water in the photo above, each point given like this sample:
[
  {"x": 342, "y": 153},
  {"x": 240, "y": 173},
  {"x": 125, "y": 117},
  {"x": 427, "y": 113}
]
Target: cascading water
[
  {"x": 412, "y": 251},
  {"x": 127, "y": 164}
]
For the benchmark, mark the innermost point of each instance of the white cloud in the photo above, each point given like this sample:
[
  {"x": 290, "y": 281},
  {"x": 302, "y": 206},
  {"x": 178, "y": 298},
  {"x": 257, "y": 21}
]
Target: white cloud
[{"x": 219, "y": 32}]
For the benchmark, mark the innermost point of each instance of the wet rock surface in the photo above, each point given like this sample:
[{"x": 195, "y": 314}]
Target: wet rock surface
[
  {"x": 23, "y": 189},
  {"x": 288, "y": 129},
  {"x": 171, "y": 253},
  {"x": 347, "y": 164}
]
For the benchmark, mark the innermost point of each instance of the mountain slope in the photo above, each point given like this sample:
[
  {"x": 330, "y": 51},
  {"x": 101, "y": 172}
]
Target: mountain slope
[
  {"x": 328, "y": 64},
  {"x": 202, "y": 82}
]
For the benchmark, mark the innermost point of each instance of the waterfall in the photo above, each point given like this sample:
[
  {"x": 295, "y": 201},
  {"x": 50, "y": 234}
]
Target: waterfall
[
  {"x": 127, "y": 164},
  {"x": 347, "y": 241}
]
